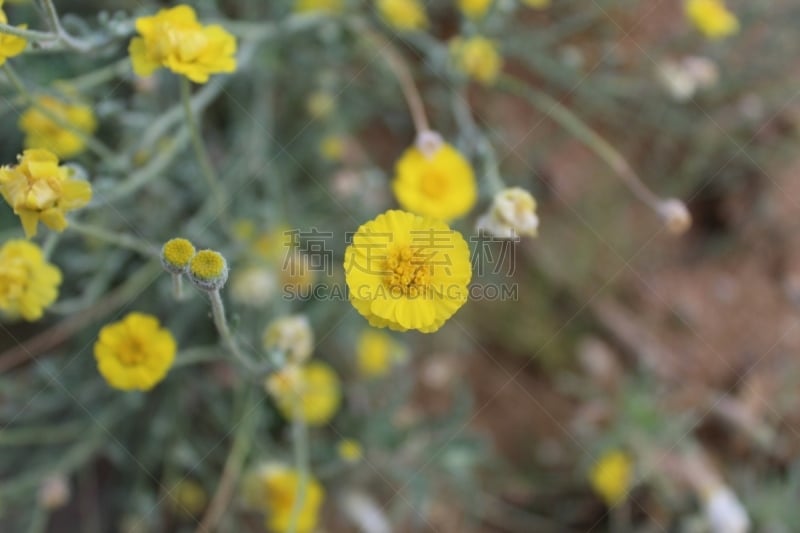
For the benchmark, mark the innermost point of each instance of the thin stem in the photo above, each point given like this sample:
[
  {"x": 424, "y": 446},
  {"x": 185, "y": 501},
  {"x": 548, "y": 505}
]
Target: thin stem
[
  {"x": 221, "y": 323},
  {"x": 400, "y": 69},
  {"x": 592, "y": 140},
  {"x": 177, "y": 286},
  {"x": 50, "y": 243},
  {"x": 232, "y": 470},
  {"x": 199, "y": 147},
  {"x": 38, "y": 520},
  {"x": 63, "y": 35},
  {"x": 31, "y": 35},
  {"x": 301, "y": 464},
  {"x": 122, "y": 240}
]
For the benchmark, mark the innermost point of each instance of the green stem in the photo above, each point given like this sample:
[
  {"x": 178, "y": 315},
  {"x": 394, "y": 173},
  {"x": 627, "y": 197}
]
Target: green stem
[
  {"x": 221, "y": 323},
  {"x": 38, "y": 520},
  {"x": 232, "y": 470},
  {"x": 214, "y": 186},
  {"x": 31, "y": 35},
  {"x": 50, "y": 243},
  {"x": 301, "y": 464},
  {"x": 122, "y": 240},
  {"x": 177, "y": 286},
  {"x": 63, "y": 35},
  {"x": 592, "y": 140}
]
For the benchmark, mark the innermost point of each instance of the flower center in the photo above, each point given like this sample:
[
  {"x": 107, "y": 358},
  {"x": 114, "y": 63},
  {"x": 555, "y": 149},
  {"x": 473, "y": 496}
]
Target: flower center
[
  {"x": 131, "y": 353},
  {"x": 406, "y": 273},
  {"x": 434, "y": 184}
]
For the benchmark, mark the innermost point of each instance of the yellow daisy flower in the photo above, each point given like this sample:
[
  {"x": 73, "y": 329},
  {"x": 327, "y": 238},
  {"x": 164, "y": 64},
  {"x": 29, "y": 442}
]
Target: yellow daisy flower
[
  {"x": 173, "y": 38},
  {"x": 43, "y": 132},
  {"x": 40, "y": 190},
  {"x": 135, "y": 353},
  {"x": 477, "y": 57},
  {"x": 28, "y": 283},
  {"x": 10, "y": 45},
  {"x": 328, "y": 6},
  {"x": 712, "y": 18},
  {"x": 311, "y": 391},
  {"x": 405, "y": 271},
  {"x": 403, "y": 15},
  {"x": 474, "y": 9},
  {"x": 439, "y": 185},
  {"x": 273, "y": 489},
  {"x": 611, "y": 476},
  {"x": 376, "y": 353}
]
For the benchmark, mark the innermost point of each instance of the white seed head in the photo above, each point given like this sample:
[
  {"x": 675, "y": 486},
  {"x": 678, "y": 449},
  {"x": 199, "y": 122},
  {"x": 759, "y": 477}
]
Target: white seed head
[{"x": 675, "y": 215}]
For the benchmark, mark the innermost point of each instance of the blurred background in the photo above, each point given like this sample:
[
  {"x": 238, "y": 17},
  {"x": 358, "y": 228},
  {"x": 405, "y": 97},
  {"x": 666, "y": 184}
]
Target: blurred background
[{"x": 630, "y": 380}]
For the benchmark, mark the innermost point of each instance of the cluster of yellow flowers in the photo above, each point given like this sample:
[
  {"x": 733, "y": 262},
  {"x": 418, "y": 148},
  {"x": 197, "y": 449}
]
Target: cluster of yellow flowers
[
  {"x": 28, "y": 283},
  {"x": 57, "y": 126},
  {"x": 39, "y": 189},
  {"x": 207, "y": 269},
  {"x": 174, "y": 39}
]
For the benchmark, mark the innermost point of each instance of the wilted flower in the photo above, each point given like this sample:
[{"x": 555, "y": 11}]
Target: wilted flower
[
  {"x": 292, "y": 336},
  {"x": 512, "y": 214},
  {"x": 253, "y": 286}
]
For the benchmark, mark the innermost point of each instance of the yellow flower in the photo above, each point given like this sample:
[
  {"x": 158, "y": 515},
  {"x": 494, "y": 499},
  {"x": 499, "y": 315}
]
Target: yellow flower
[
  {"x": 376, "y": 352},
  {"x": 611, "y": 476},
  {"x": 173, "y": 38},
  {"x": 41, "y": 131},
  {"x": 134, "y": 353},
  {"x": 291, "y": 335},
  {"x": 712, "y": 18},
  {"x": 477, "y": 57},
  {"x": 320, "y": 104},
  {"x": 311, "y": 391},
  {"x": 28, "y": 283},
  {"x": 187, "y": 498},
  {"x": 39, "y": 189},
  {"x": 332, "y": 147},
  {"x": 176, "y": 254},
  {"x": 439, "y": 185},
  {"x": 10, "y": 45},
  {"x": 474, "y": 9},
  {"x": 274, "y": 487},
  {"x": 329, "y": 6},
  {"x": 349, "y": 450},
  {"x": 406, "y": 272},
  {"x": 537, "y": 4},
  {"x": 208, "y": 270},
  {"x": 403, "y": 15}
]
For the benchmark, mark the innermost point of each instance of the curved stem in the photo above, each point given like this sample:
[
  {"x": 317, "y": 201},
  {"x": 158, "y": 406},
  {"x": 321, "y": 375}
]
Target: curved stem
[
  {"x": 31, "y": 35},
  {"x": 400, "y": 69},
  {"x": 592, "y": 140},
  {"x": 63, "y": 35},
  {"x": 221, "y": 323},
  {"x": 200, "y": 149}
]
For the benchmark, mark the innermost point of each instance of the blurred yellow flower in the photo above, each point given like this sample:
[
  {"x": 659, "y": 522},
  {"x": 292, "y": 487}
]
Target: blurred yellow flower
[
  {"x": 41, "y": 131},
  {"x": 311, "y": 391},
  {"x": 403, "y": 15},
  {"x": 39, "y": 189},
  {"x": 537, "y": 4},
  {"x": 474, "y": 9},
  {"x": 134, "y": 353},
  {"x": 349, "y": 450},
  {"x": 329, "y": 6},
  {"x": 439, "y": 185},
  {"x": 187, "y": 498},
  {"x": 477, "y": 57},
  {"x": 320, "y": 104},
  {"x": 406, "y": 272},
  {"x": 10, "y": 45},
  {"x": 291, "y": 335},
  {"x": 332, "y": 147},
  {"x": 273, "y": 489},
  {"x": 28, "y": 283},
  {"x": 611, "y": 476},
  {"x": 376, "y": 353},
  {"x": 173, "y": 38},
  {"x": 712, "y": 18}
]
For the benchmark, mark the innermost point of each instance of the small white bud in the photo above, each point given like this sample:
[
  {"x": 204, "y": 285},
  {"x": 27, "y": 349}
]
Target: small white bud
[{"x": 675, "y": 215}]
